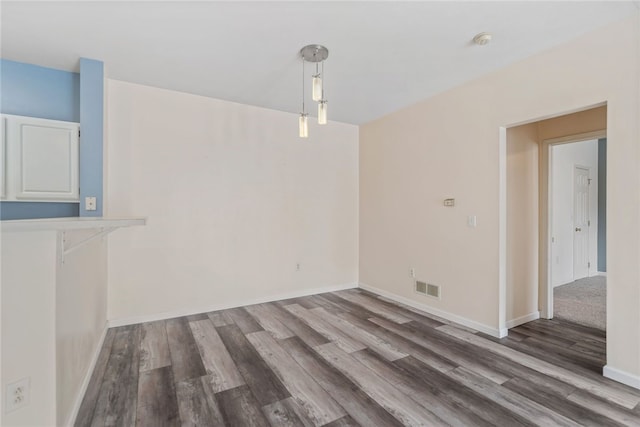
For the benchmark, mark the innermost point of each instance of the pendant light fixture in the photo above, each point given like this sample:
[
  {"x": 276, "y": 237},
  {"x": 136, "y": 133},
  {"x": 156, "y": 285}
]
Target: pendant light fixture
[
  {"x": 316, "y": 85},
  {"x": 303, "y": 125},
  {"x": 322, "y": 105},
  {"x": 317, "y": 54},
  {"x": 322, "y": 112}
]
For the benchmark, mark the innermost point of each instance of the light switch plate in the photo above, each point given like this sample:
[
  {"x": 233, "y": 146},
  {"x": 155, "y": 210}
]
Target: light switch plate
[{"x": 90, "y": 203}]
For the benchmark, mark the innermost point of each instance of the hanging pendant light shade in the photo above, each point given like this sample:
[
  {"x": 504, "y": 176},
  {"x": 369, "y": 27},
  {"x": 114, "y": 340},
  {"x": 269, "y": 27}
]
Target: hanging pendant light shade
[
  {"x": 303, "y": 126},
  {"x": 322, "y": 112},
  {"x": 316, "y": 88},
  {"x": 322, "y": 105}
]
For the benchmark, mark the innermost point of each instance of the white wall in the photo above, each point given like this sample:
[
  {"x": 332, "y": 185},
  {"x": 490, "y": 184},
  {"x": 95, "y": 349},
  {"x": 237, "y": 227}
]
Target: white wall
[
  {"x": 522, "y": 224},
  {"x": 564, "y": 158},
  {"x": 28, "y": 324},
  {"x": 53, "y": 318},
  {"x": 234, "y": 199},
  {"x": 449, "y": 146},
  {"x": 81, "y": 315}
]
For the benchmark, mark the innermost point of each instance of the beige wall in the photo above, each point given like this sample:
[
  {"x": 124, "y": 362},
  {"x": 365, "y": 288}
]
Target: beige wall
[
  {"x": 449, "y": 146},
  {"x": 591, "y": 120},
  {"x": 522, "y": 224},
  {"x": 234, "y": 200}
]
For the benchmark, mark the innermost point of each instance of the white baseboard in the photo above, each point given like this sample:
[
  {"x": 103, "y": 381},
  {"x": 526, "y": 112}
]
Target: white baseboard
[
  {"x": 494, "y": 332},
  {"x": 87, "y": 378},
  {"x": 223, "y": 306},
  {"x": 621, "y": 376},
  {"x": 601, "y": 273},
  {"x": 523, "y": 319}
]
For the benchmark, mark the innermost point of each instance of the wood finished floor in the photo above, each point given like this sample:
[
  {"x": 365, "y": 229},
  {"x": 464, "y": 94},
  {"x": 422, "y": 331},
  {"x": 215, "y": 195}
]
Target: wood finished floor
[{"x": 350, "y": 358}]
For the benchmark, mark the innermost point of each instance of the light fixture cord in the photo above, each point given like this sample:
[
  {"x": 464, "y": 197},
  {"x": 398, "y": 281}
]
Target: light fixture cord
[
  {"x": 324, "y": 81},
  {"x": 302, "y": 84}
]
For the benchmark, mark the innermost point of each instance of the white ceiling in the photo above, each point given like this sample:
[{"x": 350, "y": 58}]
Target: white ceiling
[{"x": 383, "y": 55}]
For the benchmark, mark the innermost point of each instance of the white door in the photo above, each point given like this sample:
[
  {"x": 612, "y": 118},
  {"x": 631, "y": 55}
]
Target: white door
[{"x": 580, "y": 222}]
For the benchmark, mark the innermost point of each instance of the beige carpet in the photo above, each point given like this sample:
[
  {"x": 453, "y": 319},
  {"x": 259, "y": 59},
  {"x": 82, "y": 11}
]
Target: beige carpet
[{"x": 582, "y": 302}]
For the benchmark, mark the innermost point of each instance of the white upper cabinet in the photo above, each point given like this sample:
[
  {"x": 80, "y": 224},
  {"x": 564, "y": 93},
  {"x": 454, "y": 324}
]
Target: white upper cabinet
[{"x": 41, "y": 159}]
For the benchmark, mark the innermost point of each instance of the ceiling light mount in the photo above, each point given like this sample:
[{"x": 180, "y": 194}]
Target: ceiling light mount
[
  {"x": 482, "y": 39},
  {"x": 314, "y": 53}
]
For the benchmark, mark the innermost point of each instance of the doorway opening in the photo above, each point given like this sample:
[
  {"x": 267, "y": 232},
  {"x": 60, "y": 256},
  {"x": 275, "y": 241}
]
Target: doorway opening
[
  {"x": 577, "y": 220},
  {"x": 532, "y": 241}
]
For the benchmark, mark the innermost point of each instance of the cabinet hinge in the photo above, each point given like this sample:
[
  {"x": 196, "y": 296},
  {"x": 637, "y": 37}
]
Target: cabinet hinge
[
  {"x": 588, "y": 265},
  {"x": 78, "y": 133},
  {"x": 589, "y": 223}
]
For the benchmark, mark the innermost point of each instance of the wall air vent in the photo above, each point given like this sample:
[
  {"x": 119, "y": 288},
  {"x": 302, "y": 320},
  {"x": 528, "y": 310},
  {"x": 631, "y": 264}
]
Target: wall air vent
[{"x": 427, "y": 289}]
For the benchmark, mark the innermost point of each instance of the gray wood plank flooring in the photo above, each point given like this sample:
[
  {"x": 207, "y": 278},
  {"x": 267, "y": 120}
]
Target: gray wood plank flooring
[
  {"x": 186, "y": 362},
  {"x": 285, "y": 413},
  {"x": 157, "y": 402},
  {"x": 154, "y": 346},
  {"x": 215, "y": 357},
  {"x": 86, "y": 412},
  {"x": 351, "y": 358},
  {"x": 197, "y": 403},
  {"x": 117, "y": 398},
  {"x": 317, "y": 404}
]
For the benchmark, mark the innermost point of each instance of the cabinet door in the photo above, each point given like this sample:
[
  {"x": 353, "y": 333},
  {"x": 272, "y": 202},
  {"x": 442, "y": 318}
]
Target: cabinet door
[{"x": 47, "y": 154}]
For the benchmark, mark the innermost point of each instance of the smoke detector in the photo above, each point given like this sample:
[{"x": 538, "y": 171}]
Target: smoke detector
[{"x": 482, "y": 39}]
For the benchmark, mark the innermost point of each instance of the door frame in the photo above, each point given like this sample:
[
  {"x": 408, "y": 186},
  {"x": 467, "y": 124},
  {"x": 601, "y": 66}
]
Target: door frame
[{"x": 545, "y": 290}]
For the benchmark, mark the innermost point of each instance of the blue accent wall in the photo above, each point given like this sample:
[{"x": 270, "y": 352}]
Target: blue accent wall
[
  {"x": 91, "y": 132},
  {"x": 34, "y": 91},
  {"x": 33, "y": 210},
  {"x": 602, "y": 204}
]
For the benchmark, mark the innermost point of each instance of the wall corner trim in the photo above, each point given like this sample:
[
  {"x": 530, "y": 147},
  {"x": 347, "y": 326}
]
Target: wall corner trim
[
  {"x": 481, "y": 327},
  {"x": 621, "y": 376},
  {"x": 523, "y": 319},
  {"x": 113, "y": 323},
  {"x": 87, "y": 378}
]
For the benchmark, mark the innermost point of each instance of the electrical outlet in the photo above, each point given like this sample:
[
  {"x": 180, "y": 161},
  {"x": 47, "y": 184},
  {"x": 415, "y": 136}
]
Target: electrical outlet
[
  {"x": 298, "y": 267},
  {"x": 90, "y": 203},
  {"x": 412, "y": 272},
  {"x": 17, "y": 394}
]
